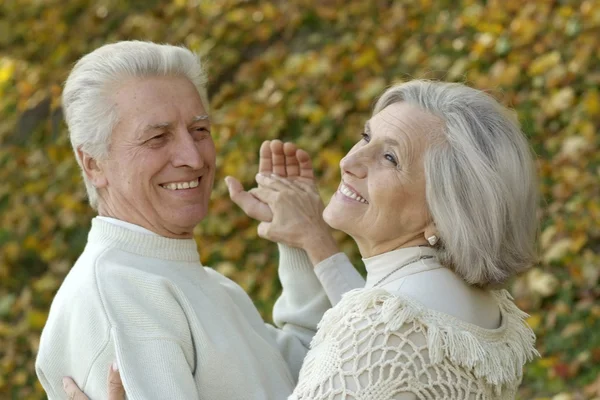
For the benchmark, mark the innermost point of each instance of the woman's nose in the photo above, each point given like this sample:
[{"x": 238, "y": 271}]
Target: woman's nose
[{"x": 353, "y": 164}]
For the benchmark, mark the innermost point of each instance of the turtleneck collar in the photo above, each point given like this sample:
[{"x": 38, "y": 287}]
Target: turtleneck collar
[
  {"x": 138, "y": 240},
  {"x": 379, "y": 266}
]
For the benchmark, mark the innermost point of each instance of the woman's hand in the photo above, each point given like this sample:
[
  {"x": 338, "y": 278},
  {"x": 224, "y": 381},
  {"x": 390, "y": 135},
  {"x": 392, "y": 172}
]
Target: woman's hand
[
  {"x": 285, "y": 160},
  {"x": 297, "y": 216},
  {"x": 116, "y": 391}
]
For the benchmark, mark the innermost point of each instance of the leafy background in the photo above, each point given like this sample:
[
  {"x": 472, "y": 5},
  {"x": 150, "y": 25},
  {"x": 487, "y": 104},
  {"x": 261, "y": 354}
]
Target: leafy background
[{"x": 309, "y": 71}]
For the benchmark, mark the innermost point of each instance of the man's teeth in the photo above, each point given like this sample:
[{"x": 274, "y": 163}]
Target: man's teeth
[
  {"x": 349, "y": 193},
  {"x": 181, "y": 185}
]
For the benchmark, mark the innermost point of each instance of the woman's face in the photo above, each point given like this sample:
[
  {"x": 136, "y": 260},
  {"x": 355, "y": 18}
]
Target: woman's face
[{"x": 381, "y": 199}]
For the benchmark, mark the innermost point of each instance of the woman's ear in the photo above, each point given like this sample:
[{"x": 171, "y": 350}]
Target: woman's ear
[
  {"x": 92, "y": 169},
  {"x": 431, "y": 234}
]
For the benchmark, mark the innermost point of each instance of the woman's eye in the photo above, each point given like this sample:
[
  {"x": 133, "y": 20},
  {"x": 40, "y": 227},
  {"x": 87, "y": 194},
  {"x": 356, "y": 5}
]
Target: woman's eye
[
  {"x": 391, "y": 159},
  {"x": 366, "y": 137}
]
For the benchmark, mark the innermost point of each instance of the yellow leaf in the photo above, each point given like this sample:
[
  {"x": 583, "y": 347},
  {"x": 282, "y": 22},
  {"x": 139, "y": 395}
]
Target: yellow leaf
[
  {"x": 37, "y": 319},
  {"x": 548, "y": 362},
  {"x": 367, "y": 57},
  {"x": 534, "y": 321},
  {"x": 11, "y": 251},
  {"x": 558, "y": 250},
  {"x": 543, "y": 63},
  {"x": 7, "y": 69},
  {"x": 542, "y": 283},
  {"x": 591, "y": 102}
]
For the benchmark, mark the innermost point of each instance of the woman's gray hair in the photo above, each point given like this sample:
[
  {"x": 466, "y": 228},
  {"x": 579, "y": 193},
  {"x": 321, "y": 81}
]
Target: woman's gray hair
[
  {"x": 87, "y": 102},
  {"x": 481, "y": 184}
]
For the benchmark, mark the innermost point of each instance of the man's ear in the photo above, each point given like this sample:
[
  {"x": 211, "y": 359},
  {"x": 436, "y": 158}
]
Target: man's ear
[{"x": 92, "y": 169}]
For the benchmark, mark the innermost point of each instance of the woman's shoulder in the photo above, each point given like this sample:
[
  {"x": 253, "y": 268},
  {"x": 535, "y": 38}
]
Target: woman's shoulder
[
  {"x": 442, "y": 290},
  {"x": 496, "y": 354}
]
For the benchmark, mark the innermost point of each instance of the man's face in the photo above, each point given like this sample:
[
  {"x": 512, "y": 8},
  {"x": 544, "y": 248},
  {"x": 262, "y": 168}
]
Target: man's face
[{"x": 160, "y": 169}]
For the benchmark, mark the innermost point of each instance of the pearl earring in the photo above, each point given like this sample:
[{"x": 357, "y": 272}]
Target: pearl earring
[{"x": 432, "y": 240}]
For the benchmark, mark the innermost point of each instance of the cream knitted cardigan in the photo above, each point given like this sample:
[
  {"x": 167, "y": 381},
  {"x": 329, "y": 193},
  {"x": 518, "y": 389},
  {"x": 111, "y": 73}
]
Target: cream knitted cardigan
[{"x": 379, "y": 346}]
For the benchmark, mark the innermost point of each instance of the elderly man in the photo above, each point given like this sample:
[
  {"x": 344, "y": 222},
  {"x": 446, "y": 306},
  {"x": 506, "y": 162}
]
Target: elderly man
[{"x": 138, "y": 120}]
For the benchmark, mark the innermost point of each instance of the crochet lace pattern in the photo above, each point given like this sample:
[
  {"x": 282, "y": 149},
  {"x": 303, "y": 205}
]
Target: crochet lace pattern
[{"x": 378, "y": 346}]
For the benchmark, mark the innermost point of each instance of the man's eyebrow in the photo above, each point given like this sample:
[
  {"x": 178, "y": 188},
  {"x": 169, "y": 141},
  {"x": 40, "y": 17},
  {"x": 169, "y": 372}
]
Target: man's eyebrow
[
  {"x": 367, "y": 127},
  {"x": 160, "y": 125},
  {"x": 199, "y": 118}
]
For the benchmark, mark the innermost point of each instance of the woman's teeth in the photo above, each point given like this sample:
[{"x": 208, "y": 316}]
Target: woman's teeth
[{"x": 345, "y": 190}]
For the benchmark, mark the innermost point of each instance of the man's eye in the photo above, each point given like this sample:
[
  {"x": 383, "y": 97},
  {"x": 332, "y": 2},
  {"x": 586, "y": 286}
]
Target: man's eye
[
  {"x": 366, "y": 137},
  {"x": 158, "y": 137}
]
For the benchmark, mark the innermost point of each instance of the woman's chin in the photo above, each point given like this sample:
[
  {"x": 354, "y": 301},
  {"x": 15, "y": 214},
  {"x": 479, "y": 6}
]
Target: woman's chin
[{"x": 334, "y": 217}]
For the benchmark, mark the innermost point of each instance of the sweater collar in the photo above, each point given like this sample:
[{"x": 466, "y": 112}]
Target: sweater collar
[
  {"x": 379, "y": 266},
  {"x": 136, "y": 241}
]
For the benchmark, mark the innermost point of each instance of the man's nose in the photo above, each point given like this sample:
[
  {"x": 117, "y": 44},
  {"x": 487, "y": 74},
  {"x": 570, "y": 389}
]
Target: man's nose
[{"x": 186, "y": 152}]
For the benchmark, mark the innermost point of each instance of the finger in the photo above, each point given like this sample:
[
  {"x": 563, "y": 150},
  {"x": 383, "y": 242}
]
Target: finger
[
  {"x": 287, "y": 183},
  {"x": 252, "y": 206},
  {"x": 306, "y": 185},
  {"x": 265, "y": 164},
  {"x": 305, "y": 164},
  {"x": 233, "y": 186},
  {"x": 278, "y": 158},
  {"x": 292, "y": 167},
  {"x": 263, "y": 230},
  {"x": 274, "y": 182},
  {"x": 72, "y": 390},
  {"x": 116, "y": 391},
  {"x": 264, "y": 194}
]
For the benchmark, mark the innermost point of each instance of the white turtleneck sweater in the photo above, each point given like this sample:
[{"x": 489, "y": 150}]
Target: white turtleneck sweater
[
  {"x": 416, "y": 331},
  {"x": 178, "y": 330}
]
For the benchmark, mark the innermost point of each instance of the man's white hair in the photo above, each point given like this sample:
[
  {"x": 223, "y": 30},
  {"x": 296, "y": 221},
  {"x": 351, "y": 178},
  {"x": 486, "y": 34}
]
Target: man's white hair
[
  {"x": 481, "y": 184},
  {"x": 89, "y": 108}
]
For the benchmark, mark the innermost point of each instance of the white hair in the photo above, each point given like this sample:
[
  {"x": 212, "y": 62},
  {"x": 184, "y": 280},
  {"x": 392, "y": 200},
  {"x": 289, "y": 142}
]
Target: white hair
[
  {"x": 87, "y": 102},
  {"x": 481, "y": 184}
]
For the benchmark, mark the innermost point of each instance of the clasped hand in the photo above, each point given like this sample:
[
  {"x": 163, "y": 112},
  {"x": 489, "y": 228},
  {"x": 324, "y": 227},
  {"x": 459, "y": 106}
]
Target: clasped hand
[{"x": 286, "y": 202}]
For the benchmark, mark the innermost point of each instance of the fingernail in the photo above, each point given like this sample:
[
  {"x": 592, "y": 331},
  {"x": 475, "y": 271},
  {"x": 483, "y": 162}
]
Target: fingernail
[
  {"x": 115, "y": 367},
  {"x": 65, "y": 383}
]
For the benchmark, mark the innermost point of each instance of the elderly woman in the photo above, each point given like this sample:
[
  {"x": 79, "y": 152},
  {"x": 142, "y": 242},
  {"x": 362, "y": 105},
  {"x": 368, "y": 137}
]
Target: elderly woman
[{"x": 440, "y": 196}]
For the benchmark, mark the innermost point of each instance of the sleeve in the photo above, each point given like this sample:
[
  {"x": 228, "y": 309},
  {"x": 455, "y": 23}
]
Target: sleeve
[
  {"x": 151, "y": 336},
  {"x": 357, "y": 358},
  {"x": 300, "y": 307},
  {"x": 338, "y": 276}
]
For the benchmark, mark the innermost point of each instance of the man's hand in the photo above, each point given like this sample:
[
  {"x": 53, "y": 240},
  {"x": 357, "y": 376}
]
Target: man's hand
[
  {"x": 284, "y": 160},
  {"x": 116, "y": 391}
]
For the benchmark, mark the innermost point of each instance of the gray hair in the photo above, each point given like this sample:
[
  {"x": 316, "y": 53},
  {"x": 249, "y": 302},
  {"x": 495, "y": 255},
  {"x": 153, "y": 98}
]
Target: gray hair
[
  {"x": 90, "y": 111},
  {"x": 481, "y": 184}
]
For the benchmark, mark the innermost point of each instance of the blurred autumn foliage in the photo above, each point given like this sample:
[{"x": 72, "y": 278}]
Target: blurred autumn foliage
[{"x": 309, "y": 71}]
